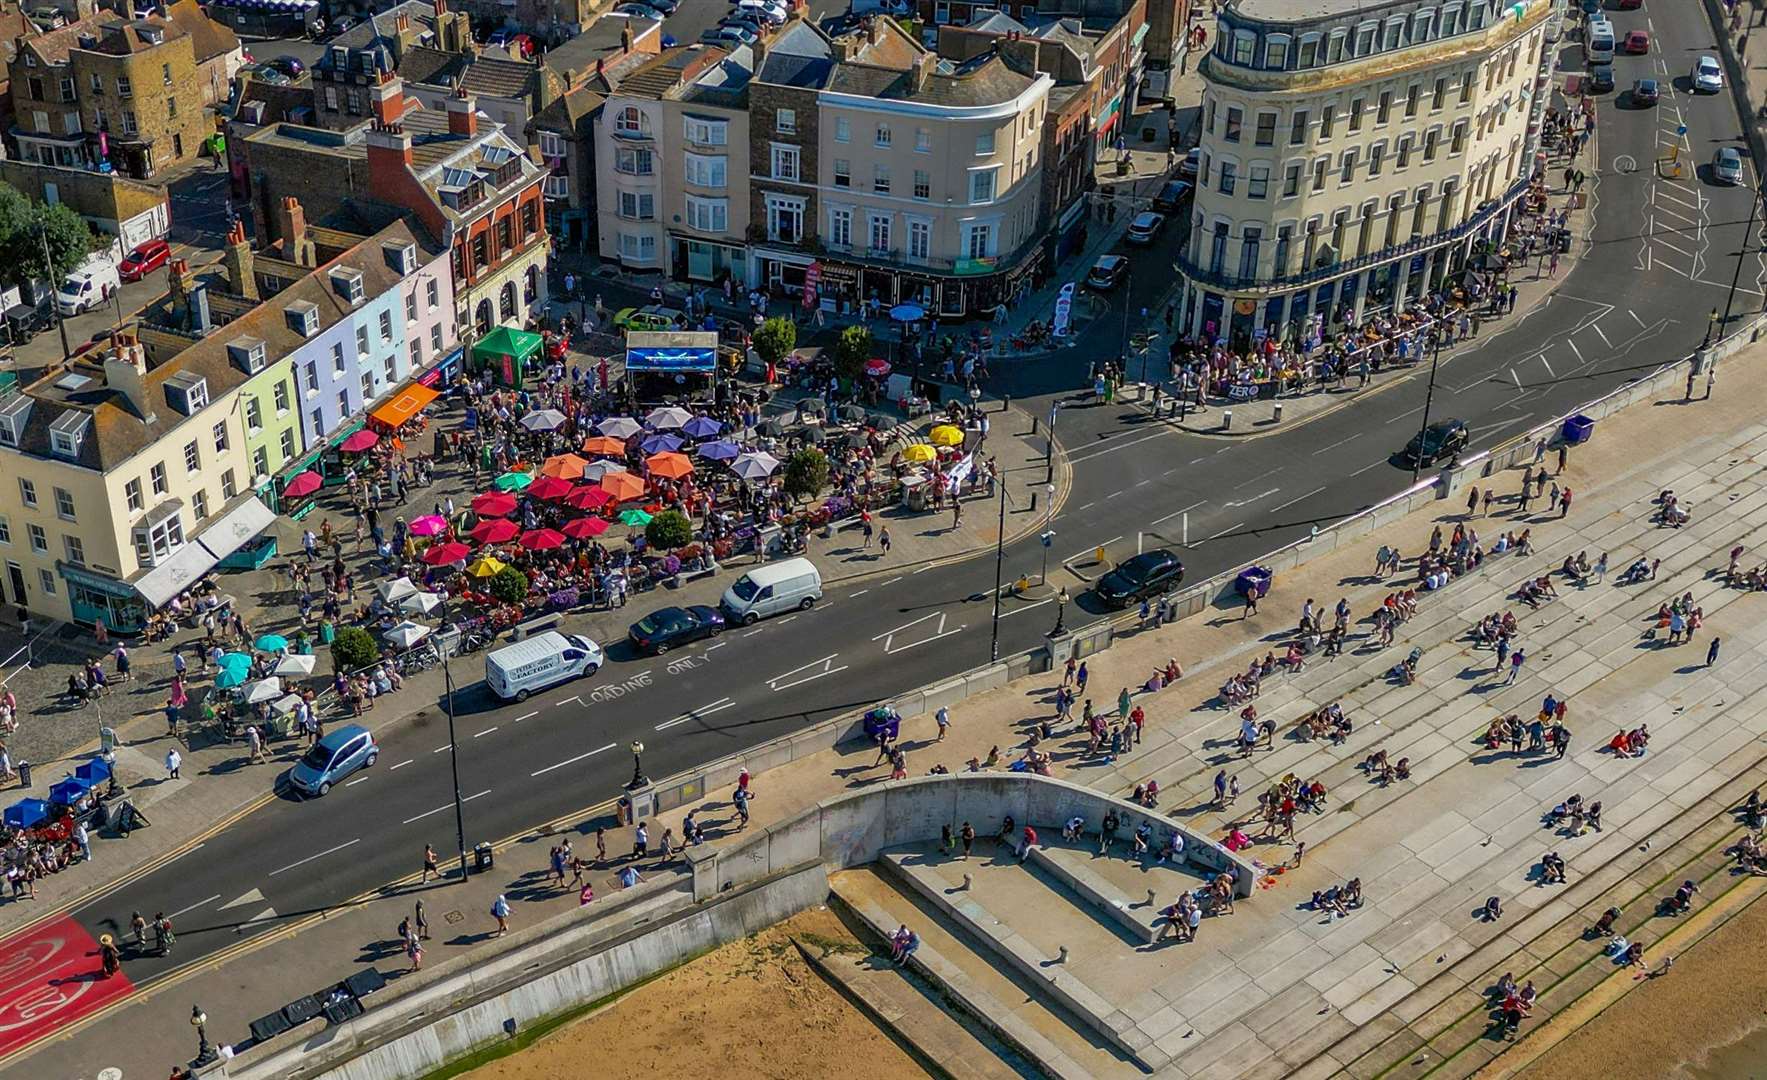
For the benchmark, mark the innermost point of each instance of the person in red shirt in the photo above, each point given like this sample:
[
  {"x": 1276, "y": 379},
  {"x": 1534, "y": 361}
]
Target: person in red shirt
[{"x": 1029, "y": 842}]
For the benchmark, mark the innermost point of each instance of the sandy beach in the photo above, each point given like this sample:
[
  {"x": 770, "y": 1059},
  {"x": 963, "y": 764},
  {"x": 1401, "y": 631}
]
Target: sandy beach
[{"x": 1705, "y": 1020}]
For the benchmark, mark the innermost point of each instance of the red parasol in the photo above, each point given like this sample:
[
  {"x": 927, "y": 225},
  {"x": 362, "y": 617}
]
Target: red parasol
[
  {"x": 303, "y": 485},
  {"x": 443, "y": 554},
  {"x": 588, "y": 498},
  {"x": 542, "y": 539},
  {"x": 493, "y": 504},
  {"x": 361, "y": 440},
  {"x": 585, "y": 528},
  {"x": 550, "y": 487},
  {"x": 495, "y": 531}
]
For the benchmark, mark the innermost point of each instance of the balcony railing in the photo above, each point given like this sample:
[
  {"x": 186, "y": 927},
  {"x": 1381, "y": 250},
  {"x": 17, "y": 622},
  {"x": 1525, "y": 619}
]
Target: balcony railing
[{"x": 1221, "y": 279}]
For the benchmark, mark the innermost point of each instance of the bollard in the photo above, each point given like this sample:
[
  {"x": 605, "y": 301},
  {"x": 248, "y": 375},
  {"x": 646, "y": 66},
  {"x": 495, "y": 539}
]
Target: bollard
[
  {"x": 1276, "y": 414},
  {"x": 966, "y": 882},
  {"x": 1150, "y": 899},
  {"x": 1062, "y": 957},
  {"x": 1036, "y": 421},
  {"x": 1033, "y": 500},
  {"x": 1226, "y": 419}
]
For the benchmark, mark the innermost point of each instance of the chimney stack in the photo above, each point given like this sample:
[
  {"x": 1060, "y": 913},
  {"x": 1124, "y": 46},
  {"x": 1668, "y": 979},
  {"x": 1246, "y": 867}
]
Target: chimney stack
[
  {"x": 125, "y": 371},
  {"x": 387, "y": 98},
  {"x": 463, "y": 114},
  {"x": 389, "y": 158},
  {"x": 291, "y": 224},
  {"x": 236, "y": 259},
  {"x": 626, "y": 38}
]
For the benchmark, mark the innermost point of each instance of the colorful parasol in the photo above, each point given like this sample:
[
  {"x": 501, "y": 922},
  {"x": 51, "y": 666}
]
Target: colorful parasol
[{"x": 495, "y": 531}]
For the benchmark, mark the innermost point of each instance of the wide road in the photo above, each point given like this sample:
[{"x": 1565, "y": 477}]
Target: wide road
[{"x": 1661, "y": 258}]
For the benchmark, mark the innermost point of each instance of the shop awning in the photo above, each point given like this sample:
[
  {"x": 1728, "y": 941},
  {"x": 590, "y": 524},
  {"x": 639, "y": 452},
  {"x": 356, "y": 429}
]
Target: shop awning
[
  {"x": 227, "y": 534},
  {"x": 404, "y": 404}
]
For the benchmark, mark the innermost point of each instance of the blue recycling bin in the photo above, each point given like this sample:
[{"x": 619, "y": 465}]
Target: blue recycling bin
[
  {"x": 1253, "y": 581},
  {"x": 1578, "y": 429}
]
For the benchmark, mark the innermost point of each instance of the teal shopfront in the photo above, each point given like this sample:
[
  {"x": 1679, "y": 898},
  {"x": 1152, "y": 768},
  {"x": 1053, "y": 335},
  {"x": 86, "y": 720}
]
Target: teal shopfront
[{"x": 94, "y": 596}]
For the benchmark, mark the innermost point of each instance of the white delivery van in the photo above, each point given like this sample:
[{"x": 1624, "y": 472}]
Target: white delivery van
[
  {"x": 794, "y": 584},
  {"x": 1601, "y": 43},
  {"x": 515, "y": 671},
  {"x": 87, "y": 286}
]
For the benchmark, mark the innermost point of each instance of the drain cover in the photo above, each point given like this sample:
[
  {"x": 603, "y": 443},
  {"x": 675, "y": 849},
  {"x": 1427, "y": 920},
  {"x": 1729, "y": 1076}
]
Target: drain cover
[{"x": 453, "y": 917}]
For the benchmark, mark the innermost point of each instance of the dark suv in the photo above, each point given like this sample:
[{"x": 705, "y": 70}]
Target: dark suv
[
  {"x": 1442, "y": 439},
  {"x": 1146, "y": 574}
]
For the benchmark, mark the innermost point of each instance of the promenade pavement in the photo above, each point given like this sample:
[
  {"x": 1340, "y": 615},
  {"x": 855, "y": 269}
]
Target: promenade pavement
[
  {"x": 1268, "y": 989},
  {"x": 219, "y": 783}
]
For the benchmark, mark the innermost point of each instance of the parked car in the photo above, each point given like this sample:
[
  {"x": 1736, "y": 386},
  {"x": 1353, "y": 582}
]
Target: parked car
[
  {"x": 729, "y": 35},
  {"x": 665, "y": 628},
  {"x": 47, "y": 18},
  {"x": 144, "y": 259},
  {"x": 648, "y": 317},
  {"x": 325, "y": 764},
  {"x": 1727, "y": 166},
  {"x": 87, "y": 286},
  {"x": 1193, "y": 159},
  {"x": 1173, "y": 195},
  {"x": 1107, "y": 272},
  {"x": 1707, "y": 77},
  {"x": 765, "y": 591},
  {"x": 774, "y": 13},
  {"x": 1644, "y": 92},
  {"x": 1145, "y": 227},
  {"x": 1637, "y": 43},
  {"x": 1629, "y": 5},
  {"x": 745, "y": 20},
  {"x": 287, "y": 65},
  {"x": 515, "y": 671},
  {"x": 1442, "y": 439},
  {"x": 1147, "y": 574},
  {"x": 667, "y": 7},
  {"x": 1601, "y": 78}
]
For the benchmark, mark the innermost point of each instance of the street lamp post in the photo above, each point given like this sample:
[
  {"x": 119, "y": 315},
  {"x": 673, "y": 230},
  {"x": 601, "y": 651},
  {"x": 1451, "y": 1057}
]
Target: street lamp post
[
  {"x": 638, "y": 778},
  {"x": 453, "y": 749},
  {"x": 200, "y": 1021},
  {"x": 999, "y": 561},
  {"x": 1048, "y": 536},
  {"x": 1429, "y": 398},
  {"x": 48, "y": 276},
  {"x": 1061, "y": 612},
  {"x": 1741, "y": 250}
]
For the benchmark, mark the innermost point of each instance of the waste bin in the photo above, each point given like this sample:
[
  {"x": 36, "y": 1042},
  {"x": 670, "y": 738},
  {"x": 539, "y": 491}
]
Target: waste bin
[
  {"x": 24, "y": 774},
  {"x": 1578, "y": 429},
  {"x": 482, "y": 858},
  {"x": 1253, "y": 581}
]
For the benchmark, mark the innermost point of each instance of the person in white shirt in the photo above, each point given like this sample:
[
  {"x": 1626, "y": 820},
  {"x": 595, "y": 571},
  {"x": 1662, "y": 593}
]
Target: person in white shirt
[{"x": 173, "y": 761}]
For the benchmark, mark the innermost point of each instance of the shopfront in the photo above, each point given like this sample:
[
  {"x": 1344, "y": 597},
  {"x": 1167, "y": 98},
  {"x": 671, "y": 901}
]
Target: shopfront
[
  {"x": 709, "y": 261},
  {"x": 94, "y": 597},
  {"x": 233, "y": 529},
  {"x": 443, "y": 373},
  {"x": 781, "y": 271}
]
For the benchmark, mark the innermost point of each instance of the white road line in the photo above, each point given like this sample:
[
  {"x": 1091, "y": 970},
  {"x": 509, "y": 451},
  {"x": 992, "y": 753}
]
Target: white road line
[
  {"x": 903, "y": 627},
  {"x": 787, "y": 619},
  {"x": 1075, "y": 459},
  {"x": 527, "y": 716},
  {"x": 1247, "y": 502},
  {"x": 1199, "y": 460},
  {"x": 1077, "y": 554},
  {"x": 1548, "y": 367},
  {"x": 567, "y": 701},
  {"x": 572, "y": 761},
  {"x": 1302, "y": 498},
  {"x": 444, "y": 746},
  {"x": 1175, "y": 513},
  {"x": 1027, "y": 607},
  {"x": 924, "y": 569},
  {"x": 358, "y": 780},
  {"x": 193, "y": 907},
  {"x": 1578, "y": 351},
  {"x": 719, "y": 645},
  {"x": 1224, "y": 532},
  {"x": 485, "y": 732},
  {"x": 890, "y": 582},
  {"x": 328, "y": 851},
  {"x": 1339, "y": 443},
  {"x": 692, "y": 714},
  {"x": 1365, "y": 468},
  {"x": 1411, "y": 412},
  {"x": 401, "y": 764},
  {"x": 1603, "y": 336},
  {"x": 755, "y": 631},
  {"x": 860, "y": 593},
  {"x": 1143, "y": 483},
  {"x": 824, "y": 663}
]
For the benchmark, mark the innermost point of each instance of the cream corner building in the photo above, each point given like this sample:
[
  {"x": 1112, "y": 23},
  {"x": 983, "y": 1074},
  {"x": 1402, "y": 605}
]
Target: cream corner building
[{"x": 1354, "y": 153}]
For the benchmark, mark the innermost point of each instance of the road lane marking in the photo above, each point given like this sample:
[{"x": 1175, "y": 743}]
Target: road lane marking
[
  {"x": 327, "y": 851},
  {"x": 572, "y": 761},
  {"x": 693, "y": 714},
  {"x": 1224, "y": 532},
  {"x": 1027, "y": 607},
  {"x": 401, "y": 764},
  {"x": 439, "y": 749},
  {"x": 193, "y": 907},
  {"x": 1365, "y": 468},
  {"x": 1602, "y": 335},
  {"x": 860, "y": 593},
  {"x": 755, "y": 631},
  {"x": 485, "y": 732},
  {"x": 526, "y": 716},
  {"x": 927, "y": 567},
  {"x": 1247, "y": 502},
  {"x": 1075, "y": 459},
  {"x": 719, "y": 645},
  {"x": 358, "y": 780},
  {"x": 1083, "y": 551},
  {"x": 1175, "y": 513},
  {"x": 787, "y": 619},
  {"x": 778, "y": 683},
  {"x": 1340, "y": 442},
  {"x": 566, "y": 701},
  {"x": 1301, "y": 498},
  {"x": 437, "y": 810}
]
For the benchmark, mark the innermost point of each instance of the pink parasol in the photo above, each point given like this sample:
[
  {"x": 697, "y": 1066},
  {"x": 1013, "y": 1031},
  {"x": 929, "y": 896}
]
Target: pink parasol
[
  {"x": 364, "y": 439},
  {"x": 429, "y": 525}
]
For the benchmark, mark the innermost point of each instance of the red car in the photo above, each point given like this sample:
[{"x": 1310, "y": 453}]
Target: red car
[
  {"x": 144, "y": 260},
  {"x": 1637, "y": 43},
  {"x": 1630, "y": 5}
]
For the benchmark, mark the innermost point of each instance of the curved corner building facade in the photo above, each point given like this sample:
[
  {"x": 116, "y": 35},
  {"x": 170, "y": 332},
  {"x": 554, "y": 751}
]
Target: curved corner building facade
[{"x": 1354, "y": 154}]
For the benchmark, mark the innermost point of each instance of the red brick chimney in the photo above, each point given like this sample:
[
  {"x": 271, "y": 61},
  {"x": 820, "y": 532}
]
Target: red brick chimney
[
  {"x": 388, "y": 99},
  {"x": 463, "y": 114},
  {"x": 291, "y": 229}
]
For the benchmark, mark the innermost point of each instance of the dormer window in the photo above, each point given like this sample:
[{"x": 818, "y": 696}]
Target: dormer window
[
  {"x": 303, "y": 318},
  {"x": 247, "y": 354},
  {"x": 15, "y": 411},
  {"x": 348, "y": 284},
  {"x": 188, "y": 392},
  {"x": 402, "y": 257},
  {"x": 67, "y": 433}
]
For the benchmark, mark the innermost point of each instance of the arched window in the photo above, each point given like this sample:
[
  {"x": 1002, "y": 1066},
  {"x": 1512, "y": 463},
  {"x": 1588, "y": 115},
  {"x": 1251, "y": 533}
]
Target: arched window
[
  {"x": 531, "y": 286},
  {"x": 482, "y": 319},
  {"x": 506, "y": 303},
  {"x": 631, "y": 121}
]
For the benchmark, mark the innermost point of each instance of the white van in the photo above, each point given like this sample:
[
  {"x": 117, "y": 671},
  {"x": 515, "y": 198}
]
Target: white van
[
  {"x": 515, "y": 671},
  {"x": 1601, "y": 43},
  {"x": 794, "y": 584},
  {"x": 87, "y": 286}
]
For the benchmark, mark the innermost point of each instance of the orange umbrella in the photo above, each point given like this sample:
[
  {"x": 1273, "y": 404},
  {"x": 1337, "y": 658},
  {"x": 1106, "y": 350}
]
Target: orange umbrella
[
  {"x": 669, "y": 466},
  {"x": 564, "y": 466},
  {"x": 622, "y": 486},
  {"x": 601, "y": 444}
]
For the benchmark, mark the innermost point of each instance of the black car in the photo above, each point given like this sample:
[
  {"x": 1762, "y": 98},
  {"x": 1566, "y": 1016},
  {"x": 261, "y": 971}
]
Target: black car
[
  {"x": 1174, "y": 195},
  {"x": 665, "y": 628},
  {"x": 1443, "y": 439},
  {"x": 1146, "y": 574},
  {"x": 287, "y": 65}
]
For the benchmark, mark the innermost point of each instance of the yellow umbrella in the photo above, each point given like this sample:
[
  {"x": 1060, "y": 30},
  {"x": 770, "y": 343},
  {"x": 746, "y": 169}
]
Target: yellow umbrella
[
  {"x": 919, "y": 453},
  {"x": 485, "y": 566},
  {"x": 946, "y": 435}
]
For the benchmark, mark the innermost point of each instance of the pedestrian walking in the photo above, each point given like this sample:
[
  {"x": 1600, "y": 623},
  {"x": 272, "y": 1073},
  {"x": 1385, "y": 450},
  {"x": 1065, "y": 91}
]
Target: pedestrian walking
[
  {"x": 1472, "y": 501},
  {"x": 1080, "y": 679},
  {"x": 1515, "y": 666},
  {"x": 1564, "y": 502},
  {"x": 1712, "y": 652},
  {"x": 1251, "y": 603},
  {"x": 1564, "y": 453},
  {"x": 967, "y": 835},
  {"x": 640, "y": 840},
  {"x": 943, "y": 719},
  {"x": 173, "y": 761},
  {"x": 883, "y": 539},
  {"x": 430, "y": 863},
  {"x": 500, "y": 912},
  {"x": 421, "y": 922}
]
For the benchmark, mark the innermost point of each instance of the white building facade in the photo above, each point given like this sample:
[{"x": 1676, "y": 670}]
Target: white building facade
[{"x": 1356, "y": 154}]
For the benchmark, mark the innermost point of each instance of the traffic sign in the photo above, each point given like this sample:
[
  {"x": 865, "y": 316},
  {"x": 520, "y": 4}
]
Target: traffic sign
[{"x": 1048, "y": 537}]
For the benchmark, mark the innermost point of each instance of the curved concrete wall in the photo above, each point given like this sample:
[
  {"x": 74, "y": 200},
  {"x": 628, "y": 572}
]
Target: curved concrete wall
[{"x": 849, "y": 830}]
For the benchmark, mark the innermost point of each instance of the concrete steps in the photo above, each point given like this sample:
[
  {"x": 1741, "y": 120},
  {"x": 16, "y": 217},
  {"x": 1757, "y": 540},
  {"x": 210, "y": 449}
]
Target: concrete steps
[
  {"x": 950, "y": 1045},
  {"x": 1018, "y": 1011}
]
